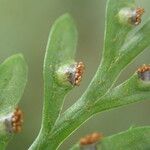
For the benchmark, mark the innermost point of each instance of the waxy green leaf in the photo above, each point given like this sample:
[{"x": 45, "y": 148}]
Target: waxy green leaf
[{"x": 13, "y": 78}]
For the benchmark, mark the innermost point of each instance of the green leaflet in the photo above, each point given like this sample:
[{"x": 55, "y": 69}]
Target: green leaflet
[
  {"x": 131, "y": 91},
  {"x": 133, "y": 139},
  {"x": 60, "y": 51},
  {"x": 115, "y": 32},
  {"x": 13, "y": 78}
]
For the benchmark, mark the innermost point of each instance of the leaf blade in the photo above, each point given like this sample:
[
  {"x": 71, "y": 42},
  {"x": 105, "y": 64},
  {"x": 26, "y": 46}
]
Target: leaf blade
[
  {"x": 115, "y": 32},
  {"x": 13, "y": 78},
  {"x": 60, "y": 49},
  {"x": 134, "y": 138}
]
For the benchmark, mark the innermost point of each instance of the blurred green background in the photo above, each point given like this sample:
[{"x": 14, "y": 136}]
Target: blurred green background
[{"x": 24, "y": 27}]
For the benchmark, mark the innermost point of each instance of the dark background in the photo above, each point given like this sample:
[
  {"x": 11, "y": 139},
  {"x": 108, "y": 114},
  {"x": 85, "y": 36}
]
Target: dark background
[{"x": 24, "y": 27}]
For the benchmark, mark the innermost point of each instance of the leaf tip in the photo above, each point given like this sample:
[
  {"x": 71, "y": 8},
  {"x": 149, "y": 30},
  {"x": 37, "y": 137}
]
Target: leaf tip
[{"x": 65, "y": 18}]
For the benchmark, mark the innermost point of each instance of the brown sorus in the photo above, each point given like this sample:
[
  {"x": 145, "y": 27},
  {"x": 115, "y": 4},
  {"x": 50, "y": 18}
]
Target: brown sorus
[
  {"x": 144, "y": 72},
  {"x": 138, "y": 14},
  {"x": 17, "y": 120},
  {"x": 91, "y": 138}
]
